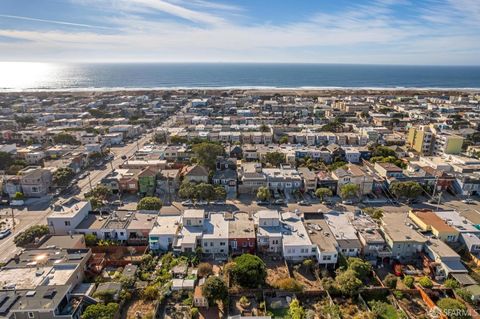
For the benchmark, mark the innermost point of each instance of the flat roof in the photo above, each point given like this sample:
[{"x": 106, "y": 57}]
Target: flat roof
[
  {"x": 320, "y": 233},
  {"x": 93, "y": 221},
  {"x": 241, "y": 226},
  {"x": 457, "y": 221},
  {"x": 194, "y": 213},
  {"x": 166, "y": 225},
  {"x": 142, "y": 220},
  {"x": 67, "y": 241},
  {"x": 294, "y": 232},
  {"x": 339, "y": 224},
  {"x": 395, "y": 226},
  {"x": 215, "y": 227}
]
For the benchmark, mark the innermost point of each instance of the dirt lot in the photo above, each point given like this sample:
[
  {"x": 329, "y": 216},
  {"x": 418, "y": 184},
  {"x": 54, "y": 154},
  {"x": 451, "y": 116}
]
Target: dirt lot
[
  {"x": 307, "y": 279},
  {"x": 141, "y": 307},
  {"x": 413, "y": 304},
  {"x": 276, "y": 270}
]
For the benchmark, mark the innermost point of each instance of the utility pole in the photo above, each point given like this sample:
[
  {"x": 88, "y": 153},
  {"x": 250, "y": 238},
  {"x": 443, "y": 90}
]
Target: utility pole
[
  {"x": 90, "y": 182},
  {"x": 13, "y": 218}
]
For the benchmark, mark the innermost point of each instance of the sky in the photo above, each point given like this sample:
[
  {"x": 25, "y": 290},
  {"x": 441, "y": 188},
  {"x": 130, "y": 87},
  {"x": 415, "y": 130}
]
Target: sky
[{"x": 413, "y": 32}]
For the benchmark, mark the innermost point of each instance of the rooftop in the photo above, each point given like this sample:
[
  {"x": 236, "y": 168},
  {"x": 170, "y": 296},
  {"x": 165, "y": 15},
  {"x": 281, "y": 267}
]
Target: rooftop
[
  {"x": 241, "y": 225},
  {"x": 399, "y": 228},
  {"x": 320, "y": 233}
]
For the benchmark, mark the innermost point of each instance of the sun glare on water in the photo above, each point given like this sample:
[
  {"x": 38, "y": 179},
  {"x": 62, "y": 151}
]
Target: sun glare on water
[{"x": 25, "y": 75}]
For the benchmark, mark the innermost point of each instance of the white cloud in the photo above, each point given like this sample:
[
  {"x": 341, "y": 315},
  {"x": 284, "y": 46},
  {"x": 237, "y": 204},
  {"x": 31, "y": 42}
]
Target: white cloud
[{"x": 363, "y": 34}]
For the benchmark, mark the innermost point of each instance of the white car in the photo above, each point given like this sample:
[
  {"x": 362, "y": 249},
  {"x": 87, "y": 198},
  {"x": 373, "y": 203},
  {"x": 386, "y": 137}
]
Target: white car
[
  {"x": 4, "y": 233},
  {"x": 187, "y": 203},
  {"x": 468, "y": 201},
  {"x": 202, "y": 203}
]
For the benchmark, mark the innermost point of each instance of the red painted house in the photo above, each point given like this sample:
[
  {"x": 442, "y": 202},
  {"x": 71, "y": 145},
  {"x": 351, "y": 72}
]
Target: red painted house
[{"x": 241, "y": 233}]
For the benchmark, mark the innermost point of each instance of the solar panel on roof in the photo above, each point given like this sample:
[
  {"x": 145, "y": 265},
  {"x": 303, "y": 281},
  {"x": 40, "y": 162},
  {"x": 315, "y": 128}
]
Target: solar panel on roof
[
  {"x": 8, "y": 303},
  {"x": 3, "y": 296}
]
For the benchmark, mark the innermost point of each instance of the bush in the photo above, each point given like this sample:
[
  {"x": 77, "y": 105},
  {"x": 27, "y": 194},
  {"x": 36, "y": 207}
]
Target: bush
[
  {"x": 100, "y": 311},
  {"x": 451, "y": 283},
  {"x": 453, "y": 308},
  {"x": 308, "y": 263},
  {"x": 194, "y": 312},
  {"x": 347, "y": 283},
  {"x": 390, "y": 281},
  {"x": 28, "y": 236},
  {"x": 215, "y": 289},
  {"x": 106, "y": 296},
  {"x": 150, "y": 292},
  {"x": 289, "y": 284},
  {"x": 90, "y": 240},
  {"x": 425, "y": 282},
  {"x": 409, "y": 281},
  {"x": 205, "y": 269}
]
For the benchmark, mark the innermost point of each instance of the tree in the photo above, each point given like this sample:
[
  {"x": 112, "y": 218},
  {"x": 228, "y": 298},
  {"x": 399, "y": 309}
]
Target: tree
[
  {"x": 24, "y": 120},
  {"x": 220, "y": 193},
  {"x": 205, "y": 269},
  {"x": 194, "y": 312},
  {"x": 347, "y": 283},
  {"x": 453, "y": 308},
  {"x": 263, "y": 193},
  {"x": 275, "y": 158},
  {"x": 244, "y": 302},
  {"x": 205, "y": 191},
  {"x": 383, "y": 151},
  {"x": 264, "y": 128},
  {"x": 425, "y": 282},
  {"x": 65, "y": 138},
  {"x": 336, "y": 165},
  {"x": 375, "y": 213},
  {"x": 349, "y": 191},
  {"x": 5, "y": 160},
  {"x": 206, "y": 153},
  {"x": 97, "y": 195},
  {"x": 214, "y": 289},
  {"x": 149, "y": 203},
  {"x": 323, "y": 192},
  {"x": 295, "y": 311},
  {"x": 187, "y": 191},
  {"x": 408, "y": 281},
  {"x": 249, "y": 271},
  {"x": 28, "y": 236},
  {"x": 150, "y": 292},
  {"x": 63, "y": 176},
  {"x": 390, "y": 281},
  {"x": 408, "y": 189},
  {"x": 283, "y": 139},
  {"x": 90, "y": 240},
  {"x": 362, "y": 268},
  {"x": 159, "y": 138},
  {"x": 100, "y": 311}
]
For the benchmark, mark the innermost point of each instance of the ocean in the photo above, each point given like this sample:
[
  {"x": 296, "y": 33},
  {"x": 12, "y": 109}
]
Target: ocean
[{"x": 20, "y": 76}]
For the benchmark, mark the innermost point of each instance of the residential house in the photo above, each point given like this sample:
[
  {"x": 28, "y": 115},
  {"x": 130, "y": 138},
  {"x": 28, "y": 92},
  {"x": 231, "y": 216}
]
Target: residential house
[
  {"x": 404, "y": 241},
  {"x": 285, "y": 178},
  {"x": 241, "y": 233},
  {"x": 309, "y": 179},
  {"x": 322, "y": 238},
  {"x": 147, "y": 179},
  {"x": 250, "y": 178},
  {"x": 354, "y": 174},
  {"x": 195, "y": 173},
  {"x": 215, "y": 236},
  {"x": 345, "y": 234},
  {"x": 429, "y": 222},
  {"x": 269, "y": 231},
  {"x": 67, "y": 215},
  {"x": 296, "y": 244},
  {"x": 190, "y": 234},
  {"x": 163, "y": 233},
  {"x": 35, "y": 181}
]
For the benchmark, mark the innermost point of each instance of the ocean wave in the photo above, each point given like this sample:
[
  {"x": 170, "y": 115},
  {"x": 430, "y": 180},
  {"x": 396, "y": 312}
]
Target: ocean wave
[{"x": 245, "y": 87}]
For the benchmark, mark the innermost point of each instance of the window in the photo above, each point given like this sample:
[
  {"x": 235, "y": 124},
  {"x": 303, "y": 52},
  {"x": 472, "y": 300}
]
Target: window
[
  {"x": 205, "y": 244},
  {"x": 189, "y": 222},
  {"x": 244, "y": 244},
  {"x": 222, "y": 243},
  {"x": 94, "y": 233},
  {"x": 121, "y": 233},
  {"x": 31, "y": 315},
  {"x": 211, "y": 244},
  {"x": 67, "y": 223}
]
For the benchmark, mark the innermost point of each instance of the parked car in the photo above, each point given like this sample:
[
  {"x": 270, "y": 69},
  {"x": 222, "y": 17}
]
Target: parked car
[
  {"x": 83, "y": 175},
  {"x": 263, "y": 202},
  {"x": 117, "y": 202},
  {"x": 202, "y": 203},
  {"x": 303, "y": 203},
  {"x": 4, "y": 233},
  {"x": 279, "y": 202},
  {"x": 468, "y": 201},
  {"x": 124, "y": 157},
  {"x": 219, "y": 202},
  {"x": 187, "y": 203},
  {"x": 347, "y": 202}
]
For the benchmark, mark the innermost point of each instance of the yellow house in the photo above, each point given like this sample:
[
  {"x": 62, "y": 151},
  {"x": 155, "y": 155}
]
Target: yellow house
[{"x": 429, "y": 221}]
